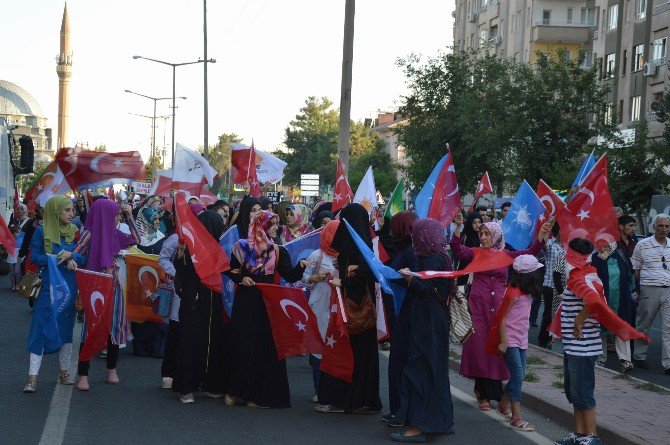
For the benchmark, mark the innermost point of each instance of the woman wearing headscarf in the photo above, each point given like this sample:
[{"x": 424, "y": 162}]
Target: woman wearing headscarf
[
  {"x": 297, "y": 223},
  {"x": 486, "y": 294},
  {"x": 222, "y": 208},
  {"x": 248, "y": 208},
  {"x": 319, "y": 267},
  {"x": 199, "y": 356},
  {"x": 102, "y": 241},
  {"x": 401, "y": 233},
  {"x": 322, "y": 219},
  {"x": 255, "y": 376},
  {"x": 425, "y": 396},
  {"x": 153, "y": 202},
  {"x": 319, "y": 207},
  {"x": 153, "y": 238},
  {"x": 56, "y": 236},
  {"x": 358, "y": 286},
  {"x": 471, "y": 239},
  {"x": 281, "y": 211},
  {"x": 21, "y": 216}
]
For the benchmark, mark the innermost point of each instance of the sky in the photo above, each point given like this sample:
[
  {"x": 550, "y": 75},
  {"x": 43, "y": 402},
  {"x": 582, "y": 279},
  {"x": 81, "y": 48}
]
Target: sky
[{"x": 270, "y": 56}]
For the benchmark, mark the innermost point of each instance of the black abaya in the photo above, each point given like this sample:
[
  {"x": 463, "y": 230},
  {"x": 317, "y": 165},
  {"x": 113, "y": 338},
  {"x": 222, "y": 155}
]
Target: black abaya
[{"x": 253, "y": 372}]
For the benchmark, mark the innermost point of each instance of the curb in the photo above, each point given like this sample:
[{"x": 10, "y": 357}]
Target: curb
[{"x": 562, "y": 416}]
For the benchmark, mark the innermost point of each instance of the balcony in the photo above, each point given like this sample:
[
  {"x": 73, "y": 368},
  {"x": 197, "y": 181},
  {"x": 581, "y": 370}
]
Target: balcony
[
  {"x": 550, "y": 31},
  {"x": 662, "y": 7}
]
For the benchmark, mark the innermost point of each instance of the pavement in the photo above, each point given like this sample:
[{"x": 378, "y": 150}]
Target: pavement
[{"x": 139, "y": 412}]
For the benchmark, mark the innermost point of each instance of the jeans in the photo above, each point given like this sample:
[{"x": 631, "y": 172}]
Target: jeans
[
  {"x": 579, "y": 380},
  {"x": 515, "y": 359},
  {"x": 315, "y": 363}
]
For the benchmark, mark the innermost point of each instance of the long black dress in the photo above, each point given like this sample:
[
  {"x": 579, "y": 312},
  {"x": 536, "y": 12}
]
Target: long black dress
[
  {"x": 253, "y": 372},
  {"x": 425, "y": 395}
]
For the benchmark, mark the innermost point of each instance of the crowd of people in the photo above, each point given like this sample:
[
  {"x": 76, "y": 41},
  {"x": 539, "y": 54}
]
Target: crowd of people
[{"x": 235, "y": 358}]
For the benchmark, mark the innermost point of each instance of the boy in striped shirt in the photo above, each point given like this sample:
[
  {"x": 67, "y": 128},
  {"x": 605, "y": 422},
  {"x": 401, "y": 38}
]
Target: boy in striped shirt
[{"x": 582, "y": 346}]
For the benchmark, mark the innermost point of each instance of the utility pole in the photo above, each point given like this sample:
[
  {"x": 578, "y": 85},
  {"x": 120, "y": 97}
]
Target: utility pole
[
  {"x": 345, "y": 95},
  {"x": 206, "y": 138}
]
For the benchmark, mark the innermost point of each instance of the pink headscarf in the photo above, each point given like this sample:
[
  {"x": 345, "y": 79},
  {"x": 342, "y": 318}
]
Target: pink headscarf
[{"x": 497, "y": 238}]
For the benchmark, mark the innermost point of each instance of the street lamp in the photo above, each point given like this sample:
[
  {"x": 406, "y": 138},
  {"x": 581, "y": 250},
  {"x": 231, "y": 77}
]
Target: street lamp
[
  {"x": 153, "y": 123},
  {"x": 174, "y": 78},
  {"x": 153, "y": 137}
]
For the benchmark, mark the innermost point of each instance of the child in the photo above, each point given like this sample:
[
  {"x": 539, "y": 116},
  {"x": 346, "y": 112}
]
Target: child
[
  {"x": 13, "y": 261},
  {"x": 509, "y": 334}
]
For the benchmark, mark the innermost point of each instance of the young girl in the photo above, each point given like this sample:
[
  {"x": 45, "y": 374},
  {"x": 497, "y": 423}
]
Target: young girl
[{"x": 509, "y": 334}]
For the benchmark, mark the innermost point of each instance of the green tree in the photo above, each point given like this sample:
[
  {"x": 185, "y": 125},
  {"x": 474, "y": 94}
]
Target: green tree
[{"x": 100, "y": 148}]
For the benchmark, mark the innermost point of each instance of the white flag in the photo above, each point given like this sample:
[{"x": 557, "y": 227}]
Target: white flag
[
  {"x": 189, "y": 166},
  {"x": 270, "y": 169},
  {"x": 366, "y": 195}
]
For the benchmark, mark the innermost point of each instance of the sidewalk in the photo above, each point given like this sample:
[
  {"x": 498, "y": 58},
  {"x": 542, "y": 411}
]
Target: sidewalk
[{"x": 629, "y": 411}]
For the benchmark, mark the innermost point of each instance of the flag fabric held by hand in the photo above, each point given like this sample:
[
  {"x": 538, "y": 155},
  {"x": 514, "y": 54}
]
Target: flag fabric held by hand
[
  {"x": 338, "y": 357},
  {"x": 294, "y": 327},
  {"x": 96, "y": 291},
  {"x": 143, "y": 276},
  {"x": 482, "y": 260},
  {"x": 301, "y": 248},
  {"x": 93, "y": 169},
  {"x": 519, "y": 225},
  {"x": 227, "y": 240},
  {"x": 342, "y": 194},
  {"x": 7, "y": 238},
  {"x": 163, "y": 184},
  {"x": 483, "y": 187}
]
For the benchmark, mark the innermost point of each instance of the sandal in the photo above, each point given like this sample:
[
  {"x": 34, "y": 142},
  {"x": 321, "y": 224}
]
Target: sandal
[
  {"x": 485, "y": 406},
  {"x": 521, "y": 425},
  {"x": 506, "y": 412}
]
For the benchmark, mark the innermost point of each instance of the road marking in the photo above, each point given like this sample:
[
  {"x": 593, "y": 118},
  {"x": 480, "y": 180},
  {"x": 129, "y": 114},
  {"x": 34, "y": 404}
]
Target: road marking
[
  {"x": 533, "y": 436},
  {"x": 54, "y": 427}
]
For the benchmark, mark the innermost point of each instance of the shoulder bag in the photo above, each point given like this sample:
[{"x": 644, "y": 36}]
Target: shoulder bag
[
  {"x": 460, "y": 321},
  {"x": 29, "y": 285}
]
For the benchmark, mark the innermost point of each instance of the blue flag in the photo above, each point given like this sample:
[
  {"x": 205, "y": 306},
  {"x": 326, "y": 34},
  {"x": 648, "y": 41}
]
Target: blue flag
[
  {"x": 60, "y": 297},
  {"x": 382, "y": 273},
  {"x": 301, "y": 248},
  {"x": 522, "y": 217},
  {"x": 584, "y": 170},
  {"x": 425, "y": 196},
  {"x": 227, "y": 241}
]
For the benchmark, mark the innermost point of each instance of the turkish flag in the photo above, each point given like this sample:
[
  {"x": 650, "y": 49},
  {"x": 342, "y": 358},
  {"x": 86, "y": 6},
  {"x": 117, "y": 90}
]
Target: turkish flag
[
  {"x": 50, "y": 182},
  {"x": 586, "y": 284},
  {"x": 342, "y": 194},
  {"x": 482, "y": 260},
  {"x": 293, "y": 323},
  {"x": 254, "y": 186},
  {"x": 552, "y": 202},
  {"x": 143, "y": 275},
  {"x": 446, "y": 196},
  {"x": 94, "y": 169},
  {"x": 208, "y": 198},
  {"x": 6, "y": 237},
  {"x": 483, "y": 187},
  {"x": 164, "y": 184},
  {"x": 590, "y": 213},
  {"x": 338, "y": 357},
  {"x": 96, "y": 292},
  {"x": 207, "y": 256},
  {"x": 599, "y": 168}
]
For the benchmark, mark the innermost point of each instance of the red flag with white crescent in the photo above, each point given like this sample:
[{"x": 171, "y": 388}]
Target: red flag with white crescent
[
  {"x": 343, "y": 194},
  {"x": 552, "y": 202},
  {"x": 482, "y": 260},
  {"x": 94, "y": 169},
  {"x": 7, "y": 238},
  {"x": 96, "y": 292},
  {"x": 143, "y": 276},
  {"x": 338, "y": 357},
  {"x": 293, "y": 323},
  {"x": 446, "y": 196},
  {"x": 254, "y": 186},
  {"x": 209, "y": 259},
  {"x": 483, "y": 187}
]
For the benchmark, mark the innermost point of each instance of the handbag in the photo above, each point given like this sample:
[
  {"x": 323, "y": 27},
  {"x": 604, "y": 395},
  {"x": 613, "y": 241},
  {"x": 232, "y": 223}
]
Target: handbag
[
  {"x": 29, "y": 285},
  {"x": 460, "y": 326},
  {"x": 161, "y": 300},
  {"x": 360, "y": 317}
]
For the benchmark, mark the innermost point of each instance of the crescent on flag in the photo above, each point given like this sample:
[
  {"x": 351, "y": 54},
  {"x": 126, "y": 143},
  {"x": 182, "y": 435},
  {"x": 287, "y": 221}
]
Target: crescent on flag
[
  {"x": 588, "y": 193},
  {"x": 188, "y": 234},
  {"x": 94, "y": 297},
  {"x": 286, "y": 302},
  {"x": 546, "y": 198},
  {"x": 149, "y": 269},
  {"x": 73, "y": 165},
  {"x": 590, "y": 279},
  {"x": 94, "y": 162}
]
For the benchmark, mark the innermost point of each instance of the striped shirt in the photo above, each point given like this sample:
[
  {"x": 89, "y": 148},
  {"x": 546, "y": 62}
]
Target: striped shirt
[
  {"x": 552, "y": 250},
  {"x": 648, "y": 257},
  {"x": 589, "y": 344}
]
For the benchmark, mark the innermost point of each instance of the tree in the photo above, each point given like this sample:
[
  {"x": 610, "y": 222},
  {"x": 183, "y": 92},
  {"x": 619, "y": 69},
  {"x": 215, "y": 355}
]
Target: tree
[
  {"x": 220, "y": 158},
  {"x": 511, "y": 119},
  {"x": 100, "y": 148}
]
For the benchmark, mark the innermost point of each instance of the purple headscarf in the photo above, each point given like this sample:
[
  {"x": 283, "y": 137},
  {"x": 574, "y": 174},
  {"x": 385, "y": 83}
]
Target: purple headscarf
[
  {"x": 197, "y": 208},
  {"x": 106, "y": 239},
  {"x": 428, "y": 237}
]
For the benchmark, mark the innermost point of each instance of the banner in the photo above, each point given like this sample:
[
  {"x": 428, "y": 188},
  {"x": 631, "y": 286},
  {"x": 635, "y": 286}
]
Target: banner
[
  {"x": 143, "y": 275},
  {"x": 96, "y": 292}
]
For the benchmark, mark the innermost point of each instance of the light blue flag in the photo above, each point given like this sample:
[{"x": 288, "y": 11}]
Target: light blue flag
[
  {"x": 301, "y": 248},
  {"x": 227, "y": 241},
  {"x": 425, "y": 196},
  {"x": 382, "y": 273},
  {"x": 584, "y": 170},
  {"x": 522, "y": 217},
  {"x": 60, "y": 297}
]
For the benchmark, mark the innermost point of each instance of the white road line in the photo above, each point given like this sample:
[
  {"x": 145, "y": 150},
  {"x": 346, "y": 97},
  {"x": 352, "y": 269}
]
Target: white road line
[
  {"x": 533, "y": 436},
  {"x": 54, "y": 427}
]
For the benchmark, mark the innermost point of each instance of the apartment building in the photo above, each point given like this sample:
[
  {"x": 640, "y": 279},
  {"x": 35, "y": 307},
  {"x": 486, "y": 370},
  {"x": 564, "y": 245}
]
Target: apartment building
[{"x": 631, "y": 47}]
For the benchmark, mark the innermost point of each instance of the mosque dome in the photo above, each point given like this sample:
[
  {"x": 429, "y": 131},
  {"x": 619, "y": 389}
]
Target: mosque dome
[{"x": 14, "y": 100}]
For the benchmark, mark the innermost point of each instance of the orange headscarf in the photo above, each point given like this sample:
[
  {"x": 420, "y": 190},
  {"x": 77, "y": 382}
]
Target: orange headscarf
[{"x": 327, "y": 235}]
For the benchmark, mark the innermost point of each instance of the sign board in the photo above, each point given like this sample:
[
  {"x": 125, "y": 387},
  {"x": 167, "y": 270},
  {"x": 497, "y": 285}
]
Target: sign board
[
  {"x": 275, "y": 197},
  {"x": 309, "y": 185},
  {"x": 309, "y": 182},
  {"x": 309, "y": 177},
  {"x": 309, "y": 192},
  {"x": 141, "y": 188}
]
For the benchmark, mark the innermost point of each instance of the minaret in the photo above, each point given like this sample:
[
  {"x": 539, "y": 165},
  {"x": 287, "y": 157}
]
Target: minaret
[{"x": 64, "y": 70}]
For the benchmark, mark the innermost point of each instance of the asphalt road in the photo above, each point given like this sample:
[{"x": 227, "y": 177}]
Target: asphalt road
[{"x": 138, "y": 411}]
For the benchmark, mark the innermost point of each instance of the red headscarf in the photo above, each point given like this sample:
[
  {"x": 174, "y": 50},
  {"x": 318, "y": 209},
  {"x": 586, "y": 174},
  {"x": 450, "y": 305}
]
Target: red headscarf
[
  {"x": 257, "y": 251},
  {"x": 327, "y": 235}
]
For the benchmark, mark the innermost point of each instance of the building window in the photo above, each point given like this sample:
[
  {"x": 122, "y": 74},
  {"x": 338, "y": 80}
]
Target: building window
[
  {"x": 472, "y": 41},
  {"x": 484, "y": 3},
  {"x": 482, "y": 37},
  {"x": 638, "y": 57},
  {"x": 620, "y": 111},
  {"x": 635, "y": 102},
  {"x": 567, "y": 56},
  {"x": 569, "y": 17},
  {"x": 659, "y": 48},
  {"x": 546, "y": 17},
  {"x": 625, "y": 62},
  {"x": 641, "y": 9},
  {"x": 612, "y": 17},
  {"x": 588, "y": 60},
  {"x": 609, "y": 113},
  {"x": 587, "y": 17},
  {"x": 610, "y": 61}
]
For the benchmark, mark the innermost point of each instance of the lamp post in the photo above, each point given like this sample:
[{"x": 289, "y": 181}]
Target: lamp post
[
  {"x": 153, "y": 137},
  {"x": 153, "y": 123},
  {"x": 174, "y": 79}
]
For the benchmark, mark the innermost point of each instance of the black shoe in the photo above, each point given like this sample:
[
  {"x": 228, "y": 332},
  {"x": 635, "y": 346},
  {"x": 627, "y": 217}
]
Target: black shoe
[
  {"x": 642, "y": 364},
  {"x": 667, "y": 371}
]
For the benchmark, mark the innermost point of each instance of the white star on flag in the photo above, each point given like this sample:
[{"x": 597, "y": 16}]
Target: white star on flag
[
  {"x": 193, "y": 259},
  {"x": 330, "y": 341},
  {"x": 583, "y": 214},
  {"x": 40, "y": 187},
  {"x": 301, "y": 326},
  {"x": 148, "y": 292},
  {"x": 337, "y": 197}
]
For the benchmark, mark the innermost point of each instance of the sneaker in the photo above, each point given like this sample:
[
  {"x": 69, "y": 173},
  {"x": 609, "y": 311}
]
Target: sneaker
[
  {"x": 328, "y": 408},
  {"x": 571, "y": 439},
  {"x": 82, "y": 384},
  {"x": 66, "y": 379},
  {"x": 591, "y": 439},
  {"x": 213, "y": 395},
  {"x": 642, "y": 364},
  {"x": 186, "y": 398},
  {"x": 31, "y": 386},
  {"x": 167, "y": 383}
]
